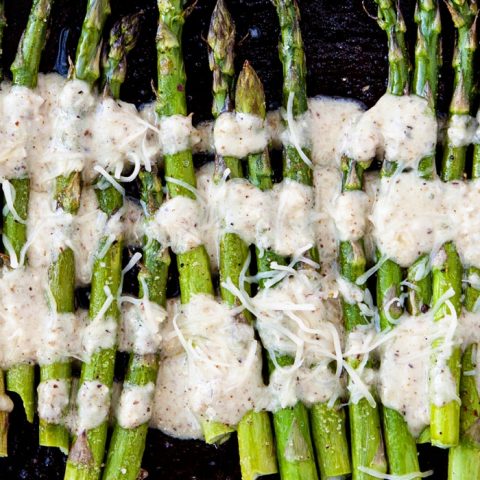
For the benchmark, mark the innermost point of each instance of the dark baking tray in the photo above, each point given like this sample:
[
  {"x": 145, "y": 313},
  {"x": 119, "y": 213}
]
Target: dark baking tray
[{"x": 346, "y": 56}]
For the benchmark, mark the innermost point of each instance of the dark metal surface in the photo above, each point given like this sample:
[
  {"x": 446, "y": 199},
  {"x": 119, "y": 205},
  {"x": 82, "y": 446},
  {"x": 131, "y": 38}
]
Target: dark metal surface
[{"x": 346, "y": 56}]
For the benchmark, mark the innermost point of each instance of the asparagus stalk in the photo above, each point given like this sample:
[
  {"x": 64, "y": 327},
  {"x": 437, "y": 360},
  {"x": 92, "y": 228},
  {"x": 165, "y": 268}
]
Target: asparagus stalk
[
  {"x": 3, "y": 24},
  {"x": 87, "y": 452},
  {"x": 4, "y": 419},
  {"x": 367, "y": 448},
  {"x": 128, "y": 444},
  {"x": 67, "y": 197},
  {"x": 328, "y": 424},
  {"x": 425, "y": 84},
  {"x": 3, "y": 413},
  {"x": 366, "y": 435},
  {"x": 255, "y": 441},
  {"x": 444, "y": 420},
  {"x": 464, "y": 459},
  {"x": 400, "y": 445},
  {"x": 293, "y": 419},
  {"x": 193, "y": 266},
  {"x": 20, "y": 378}
]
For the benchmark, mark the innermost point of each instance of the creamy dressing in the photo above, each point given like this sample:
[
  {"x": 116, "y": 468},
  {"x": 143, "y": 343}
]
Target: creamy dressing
[
  {"x": 296, "y": 130},
  {"x": 6, "y": 404},
  {"x": 135, "y": 405},
  {"x": 210, "y": 366},
  {"x": 172, "y": 412},
  {"x": 221, "y": 376},
  {"x": 28, "y": 331},
  {"x": 53, "y": 398},
  {"x": 294, "y": 319},
  {"x": 141, "y": 327},
  {"x": 461, "y": 130},
  {"x": 350, "y": 217},
  {"x": 93, "y": 404},
  {"x": 401, "y": 129},
  {"x": 239, "y": 134},
  {"x": 178, "y": 224},
  {"x": 281, "y": 219},
  {"x": 412, "y": 216},
  {"x": 62, "y": 126},
  {"x": 99, "y": 333},
  {"x": 406, "y": 380},
  {"x": 331, "y": 119}
]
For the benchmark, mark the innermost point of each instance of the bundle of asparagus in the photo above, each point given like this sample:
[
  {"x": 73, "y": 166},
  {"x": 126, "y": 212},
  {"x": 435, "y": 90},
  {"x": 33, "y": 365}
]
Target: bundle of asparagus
[
  {"x": 255, "y": 442},
  {"x": 86, "y": 455},
  {"x": 308, "y": 441},
  {"x": 20, "y": 379}
]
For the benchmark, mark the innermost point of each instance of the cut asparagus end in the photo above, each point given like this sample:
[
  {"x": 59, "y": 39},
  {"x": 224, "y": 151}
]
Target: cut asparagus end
[
  {"x": 463, "y": 462},
  {"x": 54, "y": 436},
  {"x": 366, "y": 439},
  {"x": 216, "y": 433},
  {"x": 124, "y": 461},
  {"x": 445, "y": 425},
  {"x": 20, "y": 380},
  {"x": 3, "y": 434},
  {"x": 296, "y": 459},
  {"x": 329, "y": 430},
  {"x": 256, "y": 447},
  {"x": 445, "y": 420}
]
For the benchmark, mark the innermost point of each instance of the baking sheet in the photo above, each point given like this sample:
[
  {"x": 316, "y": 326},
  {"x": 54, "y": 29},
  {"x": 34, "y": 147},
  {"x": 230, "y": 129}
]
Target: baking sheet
[{"x": 346, "y": 56}]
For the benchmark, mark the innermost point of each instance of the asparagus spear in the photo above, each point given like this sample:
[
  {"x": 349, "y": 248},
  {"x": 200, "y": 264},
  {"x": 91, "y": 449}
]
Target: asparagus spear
[
  {"x": 193, "y": 266},
  {"x": 366, "y": 435},
  {"x": 86, "y": 455},
  {"x": 3, "y": 413},
  {"x": 447, "y": 274},
  {"x": 400, "y": 445},
  {"x": 255, "y": 441},
  {"x": 328, "y": 424},
  {"x": 3, "y": 24},
  {"x": 67, "y": 197},
  {"x": 127, "y": 445},
  {"x": 20, "y": 378},
  {"x": 294, "y": 70},
  {"x": 464, "y": 459},
  {"x": 367, "y": 446},
  {"x": 425, "y": 83},
  {"x": 293, "y": 419}
]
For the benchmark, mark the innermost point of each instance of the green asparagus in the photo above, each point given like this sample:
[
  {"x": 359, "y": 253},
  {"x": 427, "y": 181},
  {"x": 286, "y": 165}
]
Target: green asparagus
[
  {"x": 128, "y": 444},
  {"x": 86, "y": 455},
  {"x": 67, "y": 196},
  {"x": 328, "y": 424},
  {"x": 3, "y": 413},
  {"x": 255, "y": 441},
  {"x": 20, "y": 378},
  {"x": 425, "y": 84},
  {"x": 447, "y": 274},
  {"x": 464, "y": 459},
  {"x": 400, "y": 445},
  {"x": 366, "y": 436},
  {"x": 193, "y": 266}
]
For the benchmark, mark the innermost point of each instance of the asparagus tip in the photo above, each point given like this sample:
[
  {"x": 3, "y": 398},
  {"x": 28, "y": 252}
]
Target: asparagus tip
[{"x": 249, "y": 96}]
